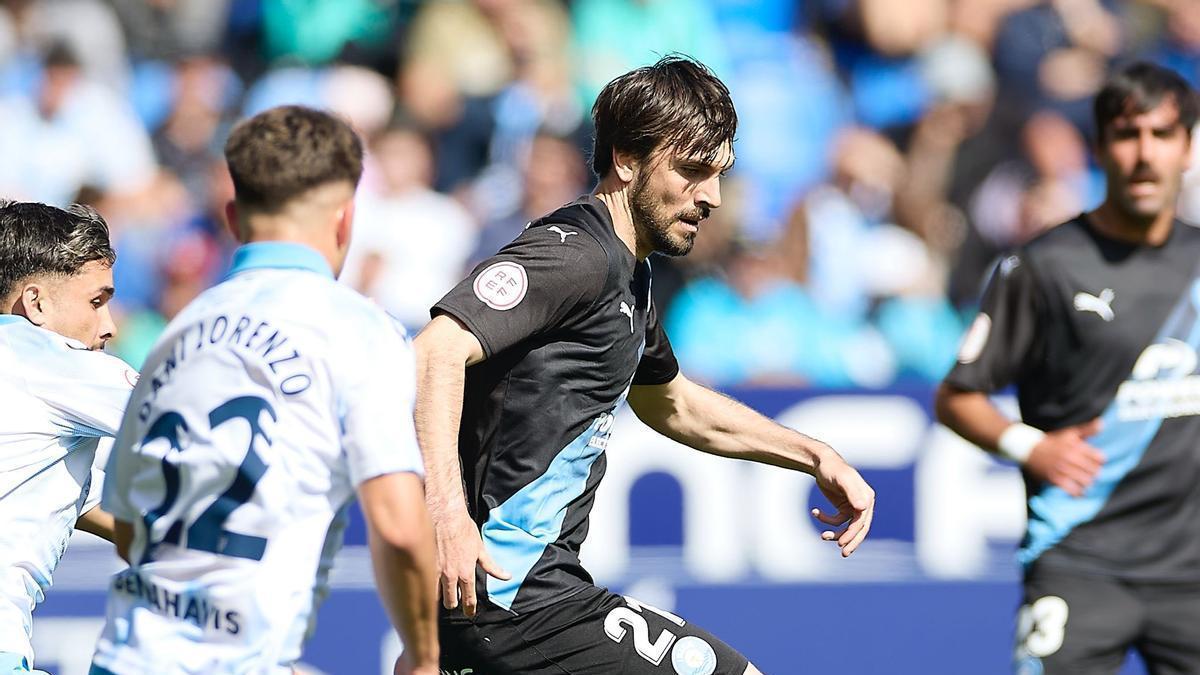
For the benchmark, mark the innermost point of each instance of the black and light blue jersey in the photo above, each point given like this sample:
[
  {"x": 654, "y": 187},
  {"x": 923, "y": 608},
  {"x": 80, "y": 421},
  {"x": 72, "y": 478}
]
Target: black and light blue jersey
[
  {"x": 567, "y": 325},
  {"x": 1084, "y": 326}
]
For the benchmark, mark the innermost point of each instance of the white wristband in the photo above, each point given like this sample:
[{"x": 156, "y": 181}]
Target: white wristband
[{"x": 1018, "y": 440}]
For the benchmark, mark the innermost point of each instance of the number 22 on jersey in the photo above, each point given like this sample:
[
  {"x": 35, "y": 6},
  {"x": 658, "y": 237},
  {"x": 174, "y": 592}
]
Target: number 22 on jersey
[{"x": 207, "y": 532}]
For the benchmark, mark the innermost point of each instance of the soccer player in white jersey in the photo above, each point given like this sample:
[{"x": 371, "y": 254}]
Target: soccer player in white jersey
[
  {"x": 264, "y": 406},
  {"x": 59, "y": 396}
]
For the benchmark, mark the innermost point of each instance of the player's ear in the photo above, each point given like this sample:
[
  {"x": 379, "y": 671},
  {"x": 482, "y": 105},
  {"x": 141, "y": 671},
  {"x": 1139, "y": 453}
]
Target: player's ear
[
  {"x": 231, "y": 219},
  {"x": 345, "y": 224},
  {"x": 33, "y": 304},
  {"x": 624, "y": 165}
]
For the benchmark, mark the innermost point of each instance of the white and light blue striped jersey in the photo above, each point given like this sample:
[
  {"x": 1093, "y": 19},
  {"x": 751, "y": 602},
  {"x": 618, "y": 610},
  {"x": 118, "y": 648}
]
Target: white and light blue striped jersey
[
  {"x": 260, "y": 409},
  {"x": 58, "y": 399}
]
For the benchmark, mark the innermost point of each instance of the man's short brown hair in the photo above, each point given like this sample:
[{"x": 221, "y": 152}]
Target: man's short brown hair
[
  {"x": 281, "y": 153},
  {"x": 677, "y": 103}
]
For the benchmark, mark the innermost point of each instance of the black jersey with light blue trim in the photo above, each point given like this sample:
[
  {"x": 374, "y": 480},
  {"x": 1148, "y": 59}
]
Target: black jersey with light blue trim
[
  {"x": 567, "y": 324},
  {"x": 1085, "y": 326}
]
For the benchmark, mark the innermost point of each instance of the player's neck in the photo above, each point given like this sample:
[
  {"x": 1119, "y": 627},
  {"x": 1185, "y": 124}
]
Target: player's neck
[
  {"x": 616, "y": 198},
  {"x": 1111, "y": 222},
  {"x": 281, "y": 231}
]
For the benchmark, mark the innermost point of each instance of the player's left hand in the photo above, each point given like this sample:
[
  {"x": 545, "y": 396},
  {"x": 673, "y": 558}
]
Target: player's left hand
[{"x": 851, "y": 496}]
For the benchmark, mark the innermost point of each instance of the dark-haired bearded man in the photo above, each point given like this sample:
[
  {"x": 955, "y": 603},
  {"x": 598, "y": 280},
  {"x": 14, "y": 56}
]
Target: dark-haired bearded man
[{"x": 522, "y": 369}]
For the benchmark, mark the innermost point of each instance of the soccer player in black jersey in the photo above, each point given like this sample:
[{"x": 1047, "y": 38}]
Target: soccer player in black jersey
[
  {"x": 519, "y": 375},
  {"x": 1096, "y": 323}
]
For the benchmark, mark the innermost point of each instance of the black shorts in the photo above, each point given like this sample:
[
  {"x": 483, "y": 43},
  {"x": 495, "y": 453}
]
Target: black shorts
[
  {"x": 1078, "y": 623},
  {"x": 590, "y": 633}
]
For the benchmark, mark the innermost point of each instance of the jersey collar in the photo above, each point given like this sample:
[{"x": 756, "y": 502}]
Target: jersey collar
[
  {"x": 10, "y": 318},
  {"x": 278, "y": 255}
]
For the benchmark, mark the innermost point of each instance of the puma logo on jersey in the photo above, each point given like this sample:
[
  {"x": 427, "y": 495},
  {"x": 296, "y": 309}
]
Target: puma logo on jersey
[
  {"x": 1101, "y": 305},
  {"x": 627, "y": 311},
  {"x": 563, "y": 235}
]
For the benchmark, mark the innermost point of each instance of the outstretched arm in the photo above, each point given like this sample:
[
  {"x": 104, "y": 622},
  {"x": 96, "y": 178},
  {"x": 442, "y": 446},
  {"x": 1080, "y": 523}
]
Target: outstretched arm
[{"x": 707, "y": 421}]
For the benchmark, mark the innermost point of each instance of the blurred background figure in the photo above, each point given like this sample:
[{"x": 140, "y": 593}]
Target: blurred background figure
[
  {"x": 410, "y": 242},
  {"x": 889, "y": 151}
]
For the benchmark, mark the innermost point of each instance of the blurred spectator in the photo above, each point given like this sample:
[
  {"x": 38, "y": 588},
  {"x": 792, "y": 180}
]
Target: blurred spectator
[
  {"x": 1045, "y": 183},
  {"x": 758, "y": 325},
  {"x": 410, "y": 243},
  {"x": 554, "y": 175},
  {"x": 170, "y": 248},
  {"x": 363, "y": 97},
  {"x": 1055, "y": 54},
  {"x": 1180, "y": 47},
  {"x": 75, "y": 132},
  {"x": 840, "y": 219},
  {"x": 614, "y": 36},
  {"x": 888, "y": 151},
  {"x": 784, "y": 132},
  {"x": 170, "y": 29},
  {"x": 189, "y": 140},
  {"x": 462, "y": 41},
  {"x": 540, "y": 97},
  {"x": 876, "y": 43},
  {"x": 318, "y": 31},
  {"x": 87, "y": 28}
]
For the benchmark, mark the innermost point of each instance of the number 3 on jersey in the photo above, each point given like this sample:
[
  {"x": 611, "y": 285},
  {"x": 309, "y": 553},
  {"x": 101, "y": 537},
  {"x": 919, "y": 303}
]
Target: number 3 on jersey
[{"x": 207, "y": 532}]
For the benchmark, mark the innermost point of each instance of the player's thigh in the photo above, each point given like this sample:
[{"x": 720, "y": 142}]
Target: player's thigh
[
  {"x": 1169, "y": 643},
  {"x": 592, "y": 634},
  {"x": 1070, "y": 624},
  {"x": 623, "y": 635},
  {"x": 471, "y": 649},
  {"x": 491, "y": 648}
]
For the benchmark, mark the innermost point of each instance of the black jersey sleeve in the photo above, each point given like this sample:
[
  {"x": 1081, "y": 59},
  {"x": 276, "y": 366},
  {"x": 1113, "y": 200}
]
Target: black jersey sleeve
[
  {"x": 658, "y": 364},
  {"x": 1002, "y": 342},
  {"x": 533, "y": 285}
]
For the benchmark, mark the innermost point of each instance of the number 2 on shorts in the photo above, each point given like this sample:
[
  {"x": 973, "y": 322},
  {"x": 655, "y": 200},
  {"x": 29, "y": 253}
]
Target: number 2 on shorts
[{"x": 618, "y": 619}]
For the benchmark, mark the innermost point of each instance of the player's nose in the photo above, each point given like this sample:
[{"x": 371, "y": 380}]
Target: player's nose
[
  {"x": 709, "y": 193},
  {"x": 108, "y": 327}
]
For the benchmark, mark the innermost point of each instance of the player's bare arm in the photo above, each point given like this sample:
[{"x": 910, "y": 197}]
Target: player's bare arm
[
  {"x": 444, "y": 349},
  {"x": 402, "y": 551},
  {"x": 705, "y": 420},
  {"x": 1062, "y": 457},
  {"x": 122, "y": 537},
  {"x": 99, "y": 522}
]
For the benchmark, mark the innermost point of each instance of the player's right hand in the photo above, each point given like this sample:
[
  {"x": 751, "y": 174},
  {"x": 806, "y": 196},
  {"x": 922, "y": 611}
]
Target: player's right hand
[
  {"x": 851, "y": 496},
  {"x": 459, "y": 549},
  {"x": 1065, "y": 459}
]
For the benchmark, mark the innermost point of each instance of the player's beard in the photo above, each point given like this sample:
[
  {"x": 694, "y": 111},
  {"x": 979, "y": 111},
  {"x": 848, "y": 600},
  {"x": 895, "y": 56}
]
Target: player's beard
[
  {"x": 1145, "y": 214},
  {"x": 655, "y": 225}
]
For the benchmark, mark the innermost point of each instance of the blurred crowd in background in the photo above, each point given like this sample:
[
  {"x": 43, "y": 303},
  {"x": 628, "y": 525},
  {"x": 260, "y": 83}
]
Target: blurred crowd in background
[{"x": 887, "y": 150}]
